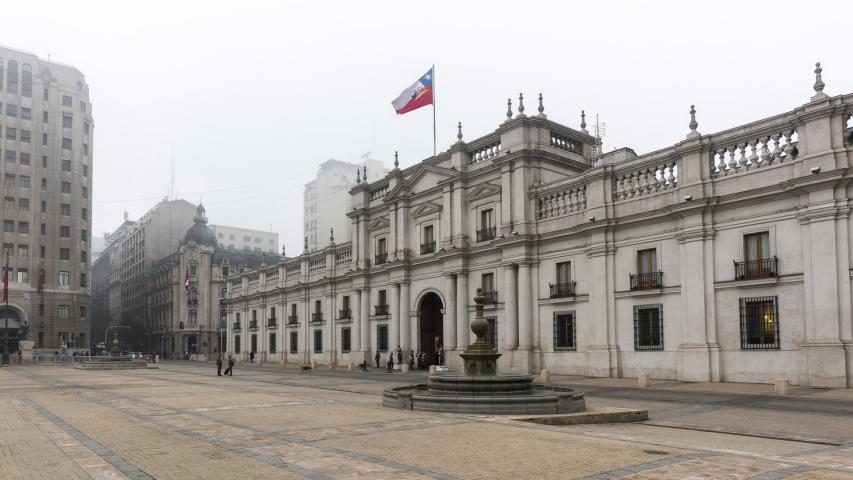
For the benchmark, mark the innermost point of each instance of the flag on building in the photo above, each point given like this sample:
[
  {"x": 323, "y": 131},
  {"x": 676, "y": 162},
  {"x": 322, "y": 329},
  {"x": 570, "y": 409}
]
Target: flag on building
[
  {"x": 417, "y": 95},
  {"x": 187, "y": 279}
]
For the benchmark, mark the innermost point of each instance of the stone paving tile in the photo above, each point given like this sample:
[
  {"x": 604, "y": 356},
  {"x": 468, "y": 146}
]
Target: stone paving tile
[
  {"x": 480, "y": 451},
  {"x": 837, "y": 458},
  {"x": 307, "y": 416},
  {"x": 821, "y": 474},
  {"x": 717, "y": 467}
]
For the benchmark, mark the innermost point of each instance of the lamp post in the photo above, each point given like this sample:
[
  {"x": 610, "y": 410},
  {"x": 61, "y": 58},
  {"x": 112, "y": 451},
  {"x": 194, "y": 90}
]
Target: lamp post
[{"x": 6, "y": 271}]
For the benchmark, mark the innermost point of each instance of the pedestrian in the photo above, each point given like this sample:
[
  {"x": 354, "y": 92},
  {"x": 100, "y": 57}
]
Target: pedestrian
[
  {"x": 230, "y": 370},
  {"x": 252, "y": 356},
  {"x": 219, "y": 366},
  {"x": 376, "y": 357},
  {"x": 411, "y": 360},
  {"x": 389, "y": 365}
]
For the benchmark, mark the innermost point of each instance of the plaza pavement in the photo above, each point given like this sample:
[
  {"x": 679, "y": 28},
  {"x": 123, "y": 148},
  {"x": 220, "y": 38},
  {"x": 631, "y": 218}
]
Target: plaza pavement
[{"x": 183, "y": 422}]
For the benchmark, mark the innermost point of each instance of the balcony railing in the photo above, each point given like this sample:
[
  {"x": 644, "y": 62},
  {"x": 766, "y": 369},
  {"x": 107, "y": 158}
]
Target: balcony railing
[
  {"x": 381, "y": 309},
  {"x": 317, "y": 317},
  {"x": 490, "y": 297},
  {"x": 380, "y": 259},
  {"x": 562, "y": 290},
  {"x": 272, "y": 322},
  {"x": 345, "y": 314},
  {"x": 486, "y": 234},
  {"x": 647, "y": 281},
  {"x": 253, "y": 324},
  {"x": 237, "y": 326},
  {"x": 293, "y": 320},
  {"x": 750, "y": 269},
  {"x": 427, "y": 248}
]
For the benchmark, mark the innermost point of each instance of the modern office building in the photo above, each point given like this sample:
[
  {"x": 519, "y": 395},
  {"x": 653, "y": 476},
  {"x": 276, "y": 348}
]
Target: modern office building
[
  {"x": 723, "y": 257},
  {"x": 245, "y": 239},
  {"x": 46, "y": 149}
]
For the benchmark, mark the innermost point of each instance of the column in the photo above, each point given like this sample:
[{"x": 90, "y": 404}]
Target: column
[
  {"x": 462, "y": 302},
  {"x": 328, "y": 330},
  {"x": 525, "y": 310},
  {"x": 510, "y": 333},
  {"x": 357, "y": 319},
  {"x": 449, "y": 326},
  {"x": 394, "y": 328},
  {"x": 405, "y": 319},
  {"x": 365, "y": 319}
]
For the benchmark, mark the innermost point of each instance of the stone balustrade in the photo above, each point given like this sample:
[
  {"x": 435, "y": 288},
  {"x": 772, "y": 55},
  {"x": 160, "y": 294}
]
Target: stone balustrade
[
  {"x": 317, "y": 264},
  {"x": 648, "y": 179},
  {"x": 379, "y": 192},
  {"x": 485, "y": 151},
  {"x": 564, "y": 143},
  {"x": 561, "y": 202},
  {"x": 294, "y": 268},
  {"x": 755, "y": 151},
  {"x": 343, "y": 257}
]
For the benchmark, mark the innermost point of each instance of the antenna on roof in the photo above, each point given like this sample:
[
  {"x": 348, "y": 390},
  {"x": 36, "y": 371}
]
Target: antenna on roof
[
  {"x": 172, "y": 179},
  {"x": 598, "y": 149}
]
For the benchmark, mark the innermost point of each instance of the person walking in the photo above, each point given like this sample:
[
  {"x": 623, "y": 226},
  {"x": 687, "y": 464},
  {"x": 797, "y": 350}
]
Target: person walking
[
  {"x": 230, "y": 370},
  {"x": 376, "y": 357},
  {"x": 252, "y": 356},
  {"x": 219, "y": 366}
]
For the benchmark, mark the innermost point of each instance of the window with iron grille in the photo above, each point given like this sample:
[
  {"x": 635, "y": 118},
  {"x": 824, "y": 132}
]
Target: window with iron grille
[
  {"x": 346, "y": 340},
  {"x": 564, "y": 330},
  {"x": 294, "y": 342},
  {"x": 318, "y": 341},
  {"x": 492, "y": 335},
  {"x": 382, "y": 338},
  {"x": 648, "y": 327},
  {"x": 236, "y": 343},
  {"x": 272, "y": 343},
  {"x": 759, "y": 323}
]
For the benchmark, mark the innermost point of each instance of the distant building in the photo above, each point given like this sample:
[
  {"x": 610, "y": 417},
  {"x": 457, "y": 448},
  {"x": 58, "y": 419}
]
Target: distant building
[
  {"x": 245, "y": 239},
  {"x": 46, "y": 172},
  {"x": 327, "y": 199}
]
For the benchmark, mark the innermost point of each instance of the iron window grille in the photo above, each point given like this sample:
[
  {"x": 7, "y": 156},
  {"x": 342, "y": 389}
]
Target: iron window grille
[
  {"x": 236, "y": 344},
  {"x": 648, "y": 327},
  {"x": 647, "y": 281},
  {"x": 561, "y": 290},
  {"x": 428, "y": 247},
  {"x": 759, "y": 323},
  {"x": 292, "y": 320},
  {"x": 318, "y": 341},
  {"x": 345, "y": 314},
  {"x": 492, "y": 335},
  {"x": 237, "y": 326},
  {"x": 272, "y": 343},
  {"x": 565, "y": 331},
  {"x": 381, "y": 258},
  {"x": 294, "y": 342},
  {"x": 381, "y": 309},
  {"x": 346, "y": 340},
  {"x": 382, "y": 338},
  {"x": 271, "y": 322},
  {"x": 486, "y": 234},
  {"x": 253, "y": 324},
  {"x": 317, "y": 317},
  {"x": 764, "y": 268}
]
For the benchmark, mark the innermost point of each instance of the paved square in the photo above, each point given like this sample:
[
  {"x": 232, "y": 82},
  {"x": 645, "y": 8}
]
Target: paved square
[{"x": 184, "y": 422}]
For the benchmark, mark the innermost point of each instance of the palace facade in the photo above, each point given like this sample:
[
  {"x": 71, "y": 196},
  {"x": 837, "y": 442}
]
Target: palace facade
[{"x": 724, "y": 257}]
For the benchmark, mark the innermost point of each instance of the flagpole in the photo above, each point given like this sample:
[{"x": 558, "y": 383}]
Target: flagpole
[{"x": 434, "y": 140}]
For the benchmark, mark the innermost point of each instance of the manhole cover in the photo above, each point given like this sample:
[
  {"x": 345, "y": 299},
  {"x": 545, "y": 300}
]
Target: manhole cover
[{"x": 655, "y": 452}]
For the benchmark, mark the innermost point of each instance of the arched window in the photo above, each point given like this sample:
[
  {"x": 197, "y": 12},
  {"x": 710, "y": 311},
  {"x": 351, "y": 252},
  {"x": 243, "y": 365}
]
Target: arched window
[
  {"x": 12, "y": 77},
  {"x": 27, "y": 80}
]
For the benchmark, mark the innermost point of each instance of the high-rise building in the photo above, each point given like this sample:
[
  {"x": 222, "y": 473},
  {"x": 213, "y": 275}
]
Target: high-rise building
[
  {"x": 245, "y": 239},
  {"x": 327, "y": 199},
  {"x": 46, "y": 167}
]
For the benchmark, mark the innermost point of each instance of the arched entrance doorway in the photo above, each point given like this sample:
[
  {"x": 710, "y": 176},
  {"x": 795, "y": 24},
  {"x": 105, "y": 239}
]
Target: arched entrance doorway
[
  {"x": 192, "y": 344},
  {"x": 14, "y": 328},
  {"x": 431, "y": 326}
]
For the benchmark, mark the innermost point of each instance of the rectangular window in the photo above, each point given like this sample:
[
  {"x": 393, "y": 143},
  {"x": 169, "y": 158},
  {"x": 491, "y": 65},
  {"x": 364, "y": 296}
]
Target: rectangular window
[
  {"x": 11, "y": 133},
  {"x": 84, "y": 235},
  {"x": 43, "y": 206},
  {"x": 429, "y": 234},
  {"x": 11, "y": 110},
  {"x": 62, "y": 311},
  {"x": 648, "y": 327},
  {"x": 64, "y": 254},
  {"x": 86, "y": 128},
  {"x": 647, "y": 261},
  {"x": 318, "y": 341},
  {"x": 83, "y": 256},
  {"x": 492, "y": 335},
  {"x": 25, "y": 158},
  {"x": 9, "y": 180},
  {"x": 43, "y": 184},
  {"x": 486, "y": 219},
  {"x": 236, "y": 343},
  {"x": 41, "y": 249},
  {"x": 65, "y": 209},
  {"x": 45, "y": 94},
  {"x": 487, "y": 283},
  {"x": 84, "y": 214},
  {"x": 23, "y": 276},
  {"x": 66, "y": 143},
  {"x": 66, "y": 165},
  {"x": 9, "y": 226},
  {"x": 66, "y": 101},
  {"x": 86, "y": 149},
  {"x": 272, "y": 313},
  {"x": 43, "y": 230},
  {"x": 85, "y": 170},
  {"x": 44, "y": 117},
  {"x": 85, "y": 192},
  {"x": 382, "y": 338},
  {"x": 82, "y": 280},
  {"x": 65, "y": 231},
  {"x": 41, "y": 309},
  {"x": 24, "y": 227},
  {"x": 756, "y": 246},
  {"x": 24, "y": 181},
  {"x": 9, "y": 203},
  {"x": 759, "y": 323},
  {"x": 9, "y": 249},
  {"x": 381, "y": 246},
  {"x": 82, "y": 106},
  {"x": 25, "y": 136},
  {"x": 66, "y": 121},
  {"x": 82, "y": 311},
  {"x": 11, "y": 156},
  {"x": 44, "y": 140},
  {"x": 346, "y": 340},
  {"x": 294, "y": 342},
  {"x": 271, "y": 346},
  {"x": 564, "y": 272},
  {"x": 23, "y": 250},
  {"x": 26, "y": 113},
  {"x": 41, "y": 340},
  {"x": 487, "y": 228},
  {"x": 564, "y": 330},
  {"x": 65, "y": 187}
]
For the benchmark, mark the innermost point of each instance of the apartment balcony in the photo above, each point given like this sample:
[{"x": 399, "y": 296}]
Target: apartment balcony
[
  {"x": 316, "y": 317},
  {"x": 293, "y": 320},
  {"x": 253, "y": 324},
  {"x": 380, "y": 310},
  {"x": 752, "y": 269},
  {"x": 647, "y": 281},
  {"x": 236, "y": 326},
  {"x": 272, "y": 322},
  {"x": 562, "y": 290},
  {"x": 486, "y": 234},
  {"x": 381, "y": 258},
  {"x": 345, "y": 314},
  {"x": 427, "y": 248}
]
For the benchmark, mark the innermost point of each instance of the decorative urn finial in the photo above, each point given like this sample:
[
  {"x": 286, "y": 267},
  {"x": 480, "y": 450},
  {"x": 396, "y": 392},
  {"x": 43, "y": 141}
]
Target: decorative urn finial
[
  {"x": 365, "y": 173},
  {"x": 521, "y": 105},
  {"x": 818, "y": 84},
  {"x": 396, "y": 160},
  {"x": 459, "y": 133},
  {"x": 693, "y": 124},
  {"x": 541, "y": 107},
  {"x": 332, "y": 235},
  {"x": 357, "y": 175},
  {"x": 583, "y": 121},
  {"x": 508, "y": 109}
]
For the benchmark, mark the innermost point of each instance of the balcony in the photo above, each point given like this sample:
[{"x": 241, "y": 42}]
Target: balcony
[
  {"x": 253, "y": 324},
  {"x": 381, "y": 309},
  {"x": 317, "y": 317},
  {"x": 486, "y": 234},
  {"x": 562, "y": 290},
  {"x": 647, "y": 281},
  {"x": 293, "y": 320},
  {"x": 272, "y": 322},
  {"x": 752, "y": 269},
  {"x": 427, "y": 248},
  {"x": 345, "y": 314},
  {"x": 381, "y": 258},
  {"x": 236, "y": 326},
  {"x": 490, "y": 297}
]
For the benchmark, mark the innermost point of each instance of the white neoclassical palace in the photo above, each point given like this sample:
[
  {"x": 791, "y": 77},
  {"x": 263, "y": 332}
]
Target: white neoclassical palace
[{"x": 725, "y": 257}]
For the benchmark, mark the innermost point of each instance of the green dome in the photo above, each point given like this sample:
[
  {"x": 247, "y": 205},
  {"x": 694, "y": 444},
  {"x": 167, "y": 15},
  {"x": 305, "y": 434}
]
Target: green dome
[{"x": 200, "y": 233}]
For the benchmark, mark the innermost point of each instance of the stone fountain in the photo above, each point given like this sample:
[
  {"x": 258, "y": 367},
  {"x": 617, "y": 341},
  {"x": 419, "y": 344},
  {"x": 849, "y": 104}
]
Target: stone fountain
[{"x": 480, "y": 389}]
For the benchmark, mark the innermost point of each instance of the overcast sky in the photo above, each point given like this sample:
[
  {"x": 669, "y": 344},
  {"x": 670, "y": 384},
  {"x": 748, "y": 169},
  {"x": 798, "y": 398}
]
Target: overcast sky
[{"x": 251, "y": 96}]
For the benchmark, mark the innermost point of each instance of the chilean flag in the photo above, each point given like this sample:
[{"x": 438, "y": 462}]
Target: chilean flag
[
  {"x": 418, "y": 95},
  {"x": 187, "y": 279}
]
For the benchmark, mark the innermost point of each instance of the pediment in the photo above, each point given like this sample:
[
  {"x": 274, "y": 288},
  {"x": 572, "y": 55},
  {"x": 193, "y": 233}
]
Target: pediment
[
  {"x": 429, "y": 176},
  {"x": 424, "y": 209},
  {"x": 379, "y": 223},
  {"x": 483, "y": 190}
]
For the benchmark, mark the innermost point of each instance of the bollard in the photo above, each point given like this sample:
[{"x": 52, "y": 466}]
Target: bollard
[
  {"x": 783, "y": 386},
  {"x": 404, "y": 368},
  {"x": 433, "y": 369},
  {"x": 545, "y": 376},
  {"x": 643, "y": 379}
]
